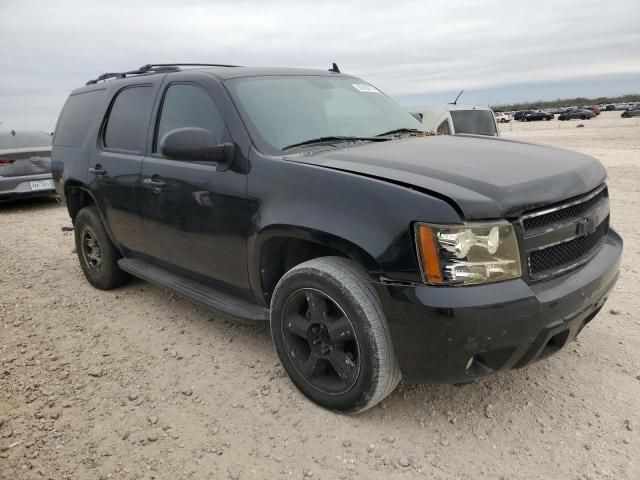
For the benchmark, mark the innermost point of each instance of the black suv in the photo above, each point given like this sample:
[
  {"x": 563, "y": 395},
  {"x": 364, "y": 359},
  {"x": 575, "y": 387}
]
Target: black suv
[{"x": 311, "y": 200}]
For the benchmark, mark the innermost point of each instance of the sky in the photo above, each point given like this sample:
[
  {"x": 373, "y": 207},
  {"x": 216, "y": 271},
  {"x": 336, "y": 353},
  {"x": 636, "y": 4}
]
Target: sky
[{"x": 418, "y": 52}]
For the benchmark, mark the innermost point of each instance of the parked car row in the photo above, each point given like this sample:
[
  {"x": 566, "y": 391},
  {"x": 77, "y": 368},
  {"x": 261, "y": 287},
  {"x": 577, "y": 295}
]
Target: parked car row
[
  {"x": 586, "y": 112},
  {"x": 621, "y": 106}
]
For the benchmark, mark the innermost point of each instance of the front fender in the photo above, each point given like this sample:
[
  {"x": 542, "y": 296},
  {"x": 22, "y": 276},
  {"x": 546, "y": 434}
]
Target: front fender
[{"x": 367, "y": 219}]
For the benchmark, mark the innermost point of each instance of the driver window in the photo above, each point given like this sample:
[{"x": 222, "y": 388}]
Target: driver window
[{"x": 186, "y": 105}]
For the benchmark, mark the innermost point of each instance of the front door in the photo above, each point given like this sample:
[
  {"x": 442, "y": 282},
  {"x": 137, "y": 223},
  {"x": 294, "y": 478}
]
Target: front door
[{"x": 195, "y": 217}]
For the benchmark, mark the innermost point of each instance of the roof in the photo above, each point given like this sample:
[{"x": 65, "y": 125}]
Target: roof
[
  {"x": 220, "y": 71},
  {"x": 448, "y": 108}
]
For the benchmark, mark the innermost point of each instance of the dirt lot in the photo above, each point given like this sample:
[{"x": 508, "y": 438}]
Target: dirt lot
[{"x": 136, "y": 383}]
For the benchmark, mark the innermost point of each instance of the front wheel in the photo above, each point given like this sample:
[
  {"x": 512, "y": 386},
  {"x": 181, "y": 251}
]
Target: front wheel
[{"x": 331, "y": 335}]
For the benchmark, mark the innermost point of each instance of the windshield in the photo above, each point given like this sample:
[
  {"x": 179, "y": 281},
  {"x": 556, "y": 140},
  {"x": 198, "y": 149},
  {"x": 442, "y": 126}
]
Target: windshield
[
  {"x": 284, "y": 111},
  {"x": 476, "y": 122}
]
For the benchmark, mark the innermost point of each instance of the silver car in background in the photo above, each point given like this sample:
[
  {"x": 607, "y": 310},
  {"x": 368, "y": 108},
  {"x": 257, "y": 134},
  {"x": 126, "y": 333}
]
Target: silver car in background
[{"x": 25, "y": 164}]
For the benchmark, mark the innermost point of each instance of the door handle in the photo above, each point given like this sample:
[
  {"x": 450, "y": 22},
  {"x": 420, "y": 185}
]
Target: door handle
[
  {"x": 154, "y": 183},
  {"x": 98, "y": 171}
]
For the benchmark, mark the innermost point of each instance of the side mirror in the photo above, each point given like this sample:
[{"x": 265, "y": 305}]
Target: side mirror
[
  {"x": 197, "y": 145},
  {"x": 418, "y": 116}
]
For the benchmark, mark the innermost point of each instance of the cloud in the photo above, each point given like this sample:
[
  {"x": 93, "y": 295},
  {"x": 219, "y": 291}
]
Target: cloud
[{"x": 405, "y": 48}]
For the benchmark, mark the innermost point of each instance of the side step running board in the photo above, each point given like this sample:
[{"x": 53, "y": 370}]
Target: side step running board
[{"x": 205, "y": 296}]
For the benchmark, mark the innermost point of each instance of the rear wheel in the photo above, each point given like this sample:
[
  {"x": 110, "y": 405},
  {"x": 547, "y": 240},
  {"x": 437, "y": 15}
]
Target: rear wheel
[
  {"x": 331, "y": 335},
  {"x": 97, "y": 254}
]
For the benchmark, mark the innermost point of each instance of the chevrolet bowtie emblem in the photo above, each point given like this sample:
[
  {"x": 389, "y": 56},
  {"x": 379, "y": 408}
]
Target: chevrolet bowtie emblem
[{"x": 586, "y": 226}]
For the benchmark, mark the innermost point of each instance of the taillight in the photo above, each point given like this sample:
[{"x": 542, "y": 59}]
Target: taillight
[{"x": 6, "y": 161}]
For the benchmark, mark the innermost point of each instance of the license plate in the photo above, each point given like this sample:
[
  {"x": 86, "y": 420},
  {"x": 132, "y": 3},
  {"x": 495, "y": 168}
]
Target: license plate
[{"x": 42, "y": 185}]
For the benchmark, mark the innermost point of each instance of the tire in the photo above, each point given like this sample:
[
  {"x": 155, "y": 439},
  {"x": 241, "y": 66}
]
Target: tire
[
  {"x": 339, "y": 296},
  {"x": 97, "y": 254},
  {"x": 583, "y": 117}
]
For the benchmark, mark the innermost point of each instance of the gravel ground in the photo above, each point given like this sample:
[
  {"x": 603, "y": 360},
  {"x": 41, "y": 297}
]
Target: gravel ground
[{"x": 136, "y": 383}]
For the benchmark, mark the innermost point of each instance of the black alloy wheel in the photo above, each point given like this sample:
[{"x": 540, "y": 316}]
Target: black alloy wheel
[
  {"x": 330, "y": 333},
  {"x": 321, "y": 341},
  {"x": 97, "y": 254},
  {"x": 91, "y": 248}
]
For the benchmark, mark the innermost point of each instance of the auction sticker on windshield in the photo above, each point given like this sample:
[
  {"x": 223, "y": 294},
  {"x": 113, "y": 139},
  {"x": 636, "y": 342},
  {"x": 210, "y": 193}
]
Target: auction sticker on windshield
[{"x": 363, "y": 87}]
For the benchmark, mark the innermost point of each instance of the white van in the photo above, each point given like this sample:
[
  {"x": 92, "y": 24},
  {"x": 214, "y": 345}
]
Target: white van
[{"x": 451, "y": 119}]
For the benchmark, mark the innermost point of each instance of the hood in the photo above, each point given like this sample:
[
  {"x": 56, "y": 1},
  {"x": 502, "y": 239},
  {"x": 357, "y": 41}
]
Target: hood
[{"x": 485, "y": 177}]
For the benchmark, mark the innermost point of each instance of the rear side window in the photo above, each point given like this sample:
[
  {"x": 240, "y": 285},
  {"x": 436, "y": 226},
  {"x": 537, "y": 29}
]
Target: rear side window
[
  {"x": 187, "y": 105},
  {"x": 76, "y": 118},
  {"x": 128, "y": 119}
]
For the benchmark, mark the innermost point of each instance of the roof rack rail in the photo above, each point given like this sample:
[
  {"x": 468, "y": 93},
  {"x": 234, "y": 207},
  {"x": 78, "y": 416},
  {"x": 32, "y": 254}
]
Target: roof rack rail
[
  {"x": 154, "y": 68},
  {"x": 151, "y": 65}
]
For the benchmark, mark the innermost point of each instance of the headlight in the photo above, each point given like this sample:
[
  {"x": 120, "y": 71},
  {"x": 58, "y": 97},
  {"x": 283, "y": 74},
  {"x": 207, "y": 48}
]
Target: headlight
[{"x": 468, "y": 254}]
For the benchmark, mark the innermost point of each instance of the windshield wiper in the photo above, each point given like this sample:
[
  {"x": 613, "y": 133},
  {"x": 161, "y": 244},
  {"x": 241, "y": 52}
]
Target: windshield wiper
[
  {"x": 331, "y": 139},
  {"x": 400, "y": 130}
]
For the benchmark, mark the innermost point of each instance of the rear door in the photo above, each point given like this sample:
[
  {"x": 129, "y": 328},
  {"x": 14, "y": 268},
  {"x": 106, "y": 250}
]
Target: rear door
[
  {"x": 114, "y": 168},
  {"x": 195, "y": 217}
]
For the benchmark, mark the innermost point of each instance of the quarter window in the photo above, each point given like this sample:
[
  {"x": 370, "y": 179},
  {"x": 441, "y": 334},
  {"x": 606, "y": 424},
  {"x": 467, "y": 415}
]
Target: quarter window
[
  {"x": 77, "y": 117},
  {"x": 128, "y": 120},
  {"x": 187, "y": 105}
]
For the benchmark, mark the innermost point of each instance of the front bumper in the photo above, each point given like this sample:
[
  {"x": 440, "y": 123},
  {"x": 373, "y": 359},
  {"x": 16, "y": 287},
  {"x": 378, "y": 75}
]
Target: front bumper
[
  {"x": 457, "y": 334},
  {"x": 20, "y": 187}
]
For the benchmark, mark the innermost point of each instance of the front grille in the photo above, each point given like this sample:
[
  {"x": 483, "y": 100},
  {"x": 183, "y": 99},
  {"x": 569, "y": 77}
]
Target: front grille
[
  {"x": 561, "y": 238},
  {"x": 573, "y": 209},
  {"x": 566, "y": 254}
]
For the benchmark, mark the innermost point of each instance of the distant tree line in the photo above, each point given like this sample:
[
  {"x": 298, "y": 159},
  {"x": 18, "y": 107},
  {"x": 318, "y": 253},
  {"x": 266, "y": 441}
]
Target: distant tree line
[{"x": 566, "y": 102}]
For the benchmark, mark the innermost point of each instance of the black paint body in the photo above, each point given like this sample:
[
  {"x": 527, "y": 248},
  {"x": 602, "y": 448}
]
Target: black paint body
[{"x": 237, "y": 230}]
